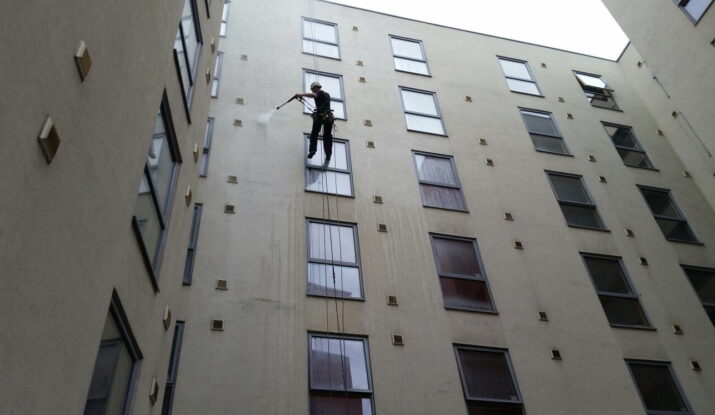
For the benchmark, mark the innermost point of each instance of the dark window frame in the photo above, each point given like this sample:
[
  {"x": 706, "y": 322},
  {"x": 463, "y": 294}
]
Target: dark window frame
[
  {"x": 193, "y": 244},
  {"x": 208, "y": 8},
  {"x": 437, "y": 184},
  {"x": 531, "y": 74},
  {"x": 639, "y": 147},
  {"x": 171, "y": 376},
  {"x": 683, "y": 3},
  {"x": 591, "y": 205},
  {"x": 188, "y": 96},
  {"x": 422, "y": 48},
  {"x": 223, "y": 27},
  {"x": 216, "y": 76},
  {"x": 679, "y": 388},
  {"x": 601, "y": 92},
  {"x": 349, "y": 170},
  {"x": 439, "y": 115},
  {"x": 681, "y": 219},
  {"x": 560, "y": 135},
  {"x": 332, "y": 99},
  {"x": 206, "y": 150},
  {"x": 706, "y": 304},
  {"x": 304, "y": 36}
]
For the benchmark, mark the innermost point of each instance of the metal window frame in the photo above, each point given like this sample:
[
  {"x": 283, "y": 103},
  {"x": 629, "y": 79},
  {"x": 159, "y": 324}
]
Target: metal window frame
[
  {"x": 217, "y": 74},
  {"x": 224, "y": 23},
  {"x": 639, "y": 149},
  {"x": 629, "y": 284},
  {"x": 685, "y": 268},
  {"x": 559, "y": 135},
  {"x": 357, "y": 264},
  {"x": 422, "y": 49},
  {"x": 438, "y": 184},
  {"x": 206, "y": 151},
  {"x": 483, "y": 274},
  {"x": 193, "y": 243},
  {"x": 591, "y": 205},
  {"x": 188, "y": 96},
  {"x": 607, "y": 91},
  {"x": 208, "y": 8},
  {"x": 349, "y": 170},
  {"x": 519, "y": 403},
  {"x": 682, "y": 218},
  {"x": 683, "y": 3},
  {"x": 304, "y": 36},
  {"x": 528, "y": 69},
  {"x": 436, "y": 105},
  {"x": 674, "y": 379},
  {"x": 171, "y": 375},
  {"x": 332, "y": 99}
]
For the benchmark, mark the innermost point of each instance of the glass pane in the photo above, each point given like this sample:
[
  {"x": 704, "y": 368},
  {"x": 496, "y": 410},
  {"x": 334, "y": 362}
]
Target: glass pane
[
  {"x": 601, "y": 101},
  {"x": 522, "y": 86},
  {"x": 328, "y": 182},
  {"x": 622, "y": 136},
  {"x": 442, "y": 197},
  {"x": 657, "y": 388},
  {"x": 515, "y": 69},
  {"x": 419, "y": 102},
  {"x": 338, "y": 109},
  {"x": 465, "y": 294},
  {"x": 634, "y": 158},
  {"x": 435, "y": 169},
  {"x": 161, "y": 163},
  {"x": 331, "y": 405},
  {"x": 569, "y": 188},
  {"x": 204, "y": 164},
  {"x": 625, "y": 311},
  {"x": 456, "y": 256},
  {"x": 660, "y": 203},
  {"x": 320, "y": 281},
  {"x": 696, "y": 8},
  {"x": 704, "y": 283},
  {"x": 339, "y": 159},
  {"x": 148, "y": 220},
  {"x": 184, "y": 72},
  {"x": 319, "y": 31},
  {"x": 539, "y": 123},
  {"x": 328, "y": 357},
  {"x": 550, "y": 144},
  {"x": 424, "y": 124},
  {"x": 330, "y": 84},
  {"x": 676, "y": 230},
  {"x": 406, "y": 48},
  {"x": 592, "y": 81},
  {"x": 222, "y": 31},
  {"x": 486, "y": 375},
  {"x": 190, "y": 35},
  {"x": 494, "y": 409},
  {"x": 582, "y": 216},
  {"x": 408, "y": 65},
  {"x": 224, "y": 13},
  {"x": 342, "y": 239},
  {"x": 322, "y": 49},
  {"x": 607, "y": 275}
]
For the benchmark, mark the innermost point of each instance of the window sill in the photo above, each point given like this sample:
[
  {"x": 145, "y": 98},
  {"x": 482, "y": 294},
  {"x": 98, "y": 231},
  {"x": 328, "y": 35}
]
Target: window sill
[
  {"x": 360, "y": 300},
  {"x": 642, "y": 168},
  {"x": 310, "y": 114},
  {"x": 414, "y": 73},
  {"x": 526, "y": 93},
  {"x": 322, "y": 56},
  {"x": 471, "y": 310},
  {"x": 447, "y": 209},
  {"x": 589, "y": 228},
  {"x": 428, "y": 133},
  {"x": 625, "y": 326},
  {"x": 698, "y": 243},
  {"x": 609, "y": 109},
  {"x": 329, "y": 194},
  {"x": 553, "y": 152}
]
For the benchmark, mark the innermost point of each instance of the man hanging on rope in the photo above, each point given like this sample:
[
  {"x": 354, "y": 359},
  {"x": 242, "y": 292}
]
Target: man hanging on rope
[{"x": 322, "y": 117}]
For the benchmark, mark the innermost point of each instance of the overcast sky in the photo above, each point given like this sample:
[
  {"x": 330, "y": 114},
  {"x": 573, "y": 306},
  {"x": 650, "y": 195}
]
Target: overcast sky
[{"x": 583, "y": 26}]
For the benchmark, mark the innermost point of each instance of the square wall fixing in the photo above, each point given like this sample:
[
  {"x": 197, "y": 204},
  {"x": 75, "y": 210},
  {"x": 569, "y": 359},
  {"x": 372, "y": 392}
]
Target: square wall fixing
[
  {"x": 602, "y": 179},
  {"x": 591, "y": 158},
  {"x": 82, "y": 60},
  {"x": 518, "y": 245},
  {"x": 244, "y": 57},
  {"x": 569, "y": 116},
  {"x": 240, "y": 101},
  {"x": 213, "y": 45},
  {"x": 49, "y": 139},
  {"x": 367, "y": 123},
  {"x": 237, "y": 123},
  {"x": 643, "y": 260},
  {"x": 167, "y": 317},
  {"x": 232, "y": 179},
  {"x": 561, "y": 99},
  {"x": 397, "y": 340},
  {"x": 377, "y": 199},
  {"x": 482, "y": 141},
  {"x": 196, "y": 152},
  {"x": 370, "y": 144},
  {"x": 208, "y": 75},
  {"x": 695, "y": 365},
  {"x": 217, "y": 325},
  {"x": 382, "y": 227},
  {"x": 392, "y": 300},
  {"x": 489, "y": 162},
  {"x": 555, "y": 354},
  {"x": 222, "y": 285},
  {"x": 543, "y": 316},
  {"x": 355, "y": 29},
  {"x": 686, "y": 173},
  {"x": 629, "y": 233},
  {"x": 468, "y": 99},
  {"x": 359, "y": 63},
  {"x": 676, "y": 328},
  {"x": 153, "y": 390},
  {"x": 188, "y": 195},
  {"x": 229, "y": 209},
  {"x": 362, "y": 79}
]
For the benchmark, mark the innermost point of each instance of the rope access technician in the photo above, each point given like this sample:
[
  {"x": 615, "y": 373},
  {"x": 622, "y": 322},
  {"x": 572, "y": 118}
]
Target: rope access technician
[{"x": 322, "y": 117}]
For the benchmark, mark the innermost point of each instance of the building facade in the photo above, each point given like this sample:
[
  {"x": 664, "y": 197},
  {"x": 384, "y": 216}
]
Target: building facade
[{"x": 503, "y": 227}]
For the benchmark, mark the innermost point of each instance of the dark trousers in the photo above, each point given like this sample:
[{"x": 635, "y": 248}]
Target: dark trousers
[{"x": 326, "y": 122}]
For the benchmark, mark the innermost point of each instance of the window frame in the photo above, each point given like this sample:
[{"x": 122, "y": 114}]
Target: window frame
[
  {"x": 592, "y": 204},
  {"x": 560, "y": 135},
  {"x": 683, "y": 3},
  {"x": 304, "y": 37},
  {"x": 629, "y": 284},
  {"x": 216, "y": 74},
  {"x": 439, "y": 116},
  {"x": 674, "y": 379},
  {"x": 608, "y": 90},
  {"x": 223, "y": 26},
  {"x": 676, "y": 207},
  {"x": 422, "y": 48},
  {"x": 193, "y": 244},
  {"x": 206, "y": 150},
  {"x": 483, "y": 274},
  {"x": 188, "y": 96},
  {"x": 430, "y": 183},
  {"x": 332, "y": 99},
  {"x": 357, "y": 264},
  {"x": 349, "y": 170},
  {"x": 171, "y": 376},
  {"x": 706, "y": 304},
  {"x": 528, "y": 68},
  {"x": 640, "y": 148}
]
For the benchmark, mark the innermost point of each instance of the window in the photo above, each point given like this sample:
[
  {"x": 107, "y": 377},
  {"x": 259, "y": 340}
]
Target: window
[
  {"x": 658, "y": 388},
  {"x": 579, "y": 210},
  {"x": 518, "y": 76},
  {"x": 596, "y": 90},
  {"x": 618, "y": 297},
  {"x": 703, "y": 281},
  {"x": 173, "y": 368},
  {"x": 320, "y": 38},
  {"x": 208, "y": 137},
  {"x": 439, "y": 184},
  {"x": 668, "y": 215},
  {"x": 340, "y": 380},
  {"x": 488, "y": 381},
  {"x": 332, "y": 84},
  {"x": 334, "y": 179},
  {"x": 333, "y": 260},
  {"x": 187, "y": 49},
  {"x": 694, "y": 9},
  {"x": 193, "y": 241},
  {"x": 463, "y": 282},
  {"x": 628, "y": 146},
  {"x": 421, "y": 111},
  {"x": 224, "y": 17},
  {"x": 156, "y": 189},
  {"x": 544, "y": 132},
  {"x": 116, "y": 366},
  {"x": 409, "y": 55},
  {"x": 216, "y": 75}
]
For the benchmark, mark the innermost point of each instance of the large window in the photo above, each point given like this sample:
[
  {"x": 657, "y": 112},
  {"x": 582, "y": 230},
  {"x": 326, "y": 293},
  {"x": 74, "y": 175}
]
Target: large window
[
  {"x": 333, "y": 260},
  {"x": 187, "y": 49},
  {"x": 336, "y": 177},
  {"x": 173, "y": 368},
  {"x": 519, "y": 76},
  {"x": 703, "y": 281},
  {"x": 321, "y": 38},
  {"x": 461, "y": 277},
  {"x": 694, "y": 9},
  {"x": 488, "y": 381},
  {"x": 668, "y": 215},
  {"x": 628, "y": 146},
  {"x": 658, "y": 388},
  {"x": 216, "y": 75},
  {"x": 332, "y": 84},
  {"x": 116, "y": 366},
  {"x": 422, "y": 111},
  {"x": 208, "y": 137},
  {"x": 618, "y": 297},
  {"x": 224, "y": 17},
  {"x": 409, "y": 55},
  {"x": 439, "y": 184},
  {"x": 544, "y": 132},
  {"x": 577, "y": 205},
  {"x": 156, "y": 189},
  {"x": 340, "y": 380},
  {"x": 193, "y": 242},
  {"x": 596, "y": 90}
]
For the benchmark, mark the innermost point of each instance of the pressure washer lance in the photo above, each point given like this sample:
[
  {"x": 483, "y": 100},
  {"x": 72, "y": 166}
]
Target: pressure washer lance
[{"x": 291, "y": 99}]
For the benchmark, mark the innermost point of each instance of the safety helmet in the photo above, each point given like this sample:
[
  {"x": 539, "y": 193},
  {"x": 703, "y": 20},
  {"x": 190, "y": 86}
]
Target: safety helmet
[{"x": 315, "y": 84}]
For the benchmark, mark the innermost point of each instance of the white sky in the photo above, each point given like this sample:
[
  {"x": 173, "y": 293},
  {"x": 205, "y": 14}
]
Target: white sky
[{"x": 583, "y": 26}]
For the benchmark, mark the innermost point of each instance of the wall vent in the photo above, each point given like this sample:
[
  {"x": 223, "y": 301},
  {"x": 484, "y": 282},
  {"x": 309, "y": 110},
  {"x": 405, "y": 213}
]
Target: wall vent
[
  {"x": 569, "y": 116},
  {"x": 370, "y": 144},
  {"x": 381, "y": 227},
  {"x": 359, "y": 63},
  {"x": 154, "y": 390},
  {"x": 686, "y": 173},
  {"x": 213, "y": 45},
  {"x": 397, "y": 340},
  {"x": 674, "y": 114},
  {"x": 392, "y": 300},
  {"x": 643, "y": 261},
  {"x": 49, "y": 139},
  {"x": 240, "y": 101},
  {"x": 237, "y": 123},
  {"x": 629, "y": 233},
  {"x": 659, "y": 132},
  {"x": 355, "y": 29},
  {"x": 230, "y": 209},
  {"x": 188, "y": 195},
  {"x": 217, "y": 325},
  {"x": 489, "y": 162},
  {"x": 518, "y": 245},
  {"x": 377, "y": 199},
  {"x": 602, "y": 179},
  {"x": 543, "y": 65},
  {"x": 196, "y": 152},
  {"x": 695, "y": 365},
  {"x": 508, "y": 216},
  {"x": 591, "y": 158},
  {"x": 676, "y": 328},
  {"x": 361, "y": 79},
  {"x": 167, "y": 317},
  {"x": 208, "y": 75},
  {"x": 555, "y": 354},
  {"x": 222, "y": 285},
  {"x": 483, "y": 141},
  {"x": 83, "y": 61},
  {"x": 468, "y": 98},
  {"x": 233, "y": 179},
  {"x": 244, "y": 57},
  {"x": 367, "y": 123},
  {"x": 542, "y": 316},
  {"x": 640, "y": 64},
  {"x": 561, "y": 99}
]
